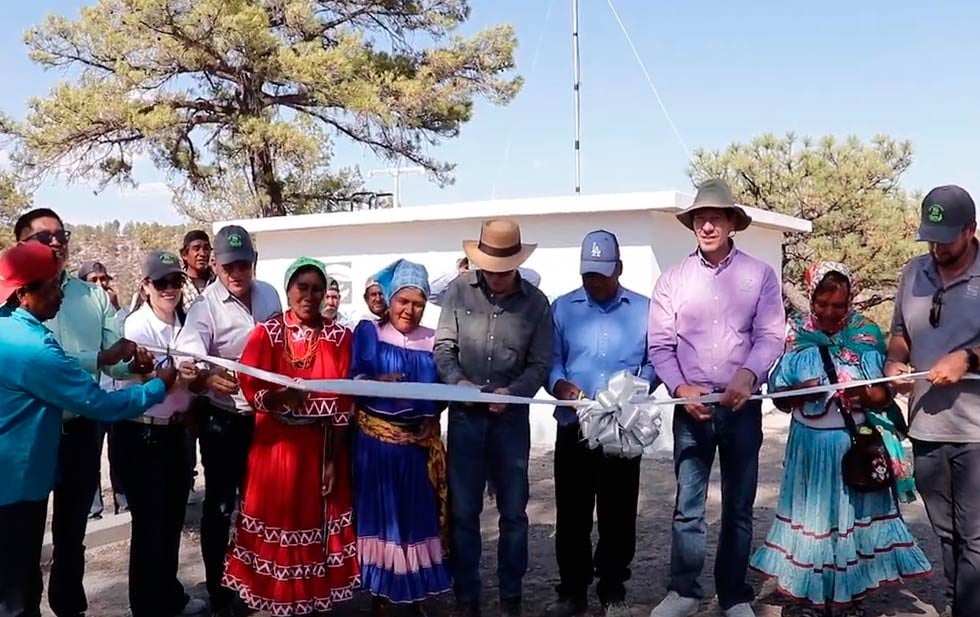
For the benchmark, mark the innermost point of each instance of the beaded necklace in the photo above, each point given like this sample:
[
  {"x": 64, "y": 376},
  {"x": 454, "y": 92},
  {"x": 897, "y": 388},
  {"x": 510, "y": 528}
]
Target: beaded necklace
[{"x": 304, "y": 360}]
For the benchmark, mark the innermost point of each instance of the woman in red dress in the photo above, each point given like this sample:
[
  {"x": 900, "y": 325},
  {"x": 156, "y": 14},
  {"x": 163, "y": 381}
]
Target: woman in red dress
[{"x": 293, "y": 551}]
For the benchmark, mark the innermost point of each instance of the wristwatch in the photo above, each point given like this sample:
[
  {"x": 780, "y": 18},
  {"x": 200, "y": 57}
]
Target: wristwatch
[{"x": 972, "y": 361}]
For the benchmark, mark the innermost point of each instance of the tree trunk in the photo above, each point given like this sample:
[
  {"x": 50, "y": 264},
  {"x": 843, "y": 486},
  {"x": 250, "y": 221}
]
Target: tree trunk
[{"x": 267, "y": 186}]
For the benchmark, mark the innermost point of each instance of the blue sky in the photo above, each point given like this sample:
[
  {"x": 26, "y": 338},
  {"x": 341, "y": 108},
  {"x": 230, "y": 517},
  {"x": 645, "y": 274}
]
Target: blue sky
[{"x": 727, "y": 71}]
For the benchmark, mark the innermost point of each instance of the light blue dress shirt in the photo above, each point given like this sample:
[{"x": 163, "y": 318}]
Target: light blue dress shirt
[
  {"x": 37, "y": 382},
  {"x": 594, "y": 341}
]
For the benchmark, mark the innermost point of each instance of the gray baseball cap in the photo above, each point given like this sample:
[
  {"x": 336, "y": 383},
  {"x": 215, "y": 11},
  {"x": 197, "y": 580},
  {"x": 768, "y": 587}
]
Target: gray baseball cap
[
  {"x": 158, "y": 265},
  {"x": 946, "y": 211},
  {"x": 231, "y": 244},
  {"x": 600, "y": 253}
]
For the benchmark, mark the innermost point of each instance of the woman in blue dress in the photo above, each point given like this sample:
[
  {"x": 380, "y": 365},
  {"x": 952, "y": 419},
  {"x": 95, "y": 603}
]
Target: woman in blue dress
[
  {"x": 829, "y": 546},
  {"x": 399, "y": 459}
]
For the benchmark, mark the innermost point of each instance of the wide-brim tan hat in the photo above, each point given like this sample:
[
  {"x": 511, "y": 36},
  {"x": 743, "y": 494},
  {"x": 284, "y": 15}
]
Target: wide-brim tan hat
[
  {"x": 499, "y": 248},
  {"x": 715, "y": 194}
]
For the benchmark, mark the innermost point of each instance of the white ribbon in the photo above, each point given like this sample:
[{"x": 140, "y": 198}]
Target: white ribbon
[
  {"x": 473, "y": 394},
  {"x": 622, "y": 420}
]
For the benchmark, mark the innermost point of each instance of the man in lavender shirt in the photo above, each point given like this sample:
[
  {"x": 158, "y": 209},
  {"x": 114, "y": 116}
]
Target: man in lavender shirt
[{"x": 716, "y": 325}]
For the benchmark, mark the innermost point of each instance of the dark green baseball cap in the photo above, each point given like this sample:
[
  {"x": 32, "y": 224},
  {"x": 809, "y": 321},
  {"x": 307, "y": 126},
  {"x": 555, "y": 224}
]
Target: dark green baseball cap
[
  {"x": 946, "y": 211},
  {"x": 231, "y": 244}
]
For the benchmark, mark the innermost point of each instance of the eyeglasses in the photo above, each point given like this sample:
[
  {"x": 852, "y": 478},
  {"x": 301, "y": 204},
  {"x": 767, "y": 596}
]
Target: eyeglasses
[
  {"x": 168, "y": 283},
  {"x": 45, "y": 237},
  {"x": 936, "y": 311}
]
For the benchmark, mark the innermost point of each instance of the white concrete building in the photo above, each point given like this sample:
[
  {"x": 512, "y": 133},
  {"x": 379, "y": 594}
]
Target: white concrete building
[{"x": 355, "y": 245}]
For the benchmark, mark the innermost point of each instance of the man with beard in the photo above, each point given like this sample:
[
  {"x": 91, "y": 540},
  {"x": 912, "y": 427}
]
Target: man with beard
[
  {"x": 218, "y": 324},
  {"x": 86, "y": 329},
  {"x": 936, "y": 327},
  {"x": 331, "y": 305}
]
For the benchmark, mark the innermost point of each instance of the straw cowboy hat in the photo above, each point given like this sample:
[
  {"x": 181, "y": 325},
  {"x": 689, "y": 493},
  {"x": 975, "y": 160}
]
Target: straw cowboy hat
[
  {"x": 714, "y": 193},
  {"x": 499, "y": 248}
]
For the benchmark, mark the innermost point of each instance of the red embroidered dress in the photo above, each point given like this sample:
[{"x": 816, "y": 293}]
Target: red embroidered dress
[{"x": 292, "y": 551}]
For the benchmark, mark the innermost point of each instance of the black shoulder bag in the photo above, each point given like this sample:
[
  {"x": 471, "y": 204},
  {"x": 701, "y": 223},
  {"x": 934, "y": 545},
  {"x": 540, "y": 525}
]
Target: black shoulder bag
[{"x": 866, "y": 467}]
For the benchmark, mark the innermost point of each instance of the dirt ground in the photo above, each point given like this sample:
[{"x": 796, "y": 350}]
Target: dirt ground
[{"x": 106, "y": 571}]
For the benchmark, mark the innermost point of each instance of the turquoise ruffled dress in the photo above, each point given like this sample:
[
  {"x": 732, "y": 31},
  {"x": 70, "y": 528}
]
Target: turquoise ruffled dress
[{"x": 828, "y": 543}]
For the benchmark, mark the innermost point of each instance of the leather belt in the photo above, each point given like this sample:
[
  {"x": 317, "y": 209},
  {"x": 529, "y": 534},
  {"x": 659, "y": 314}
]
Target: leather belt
[{"x": 176, "y": 418}]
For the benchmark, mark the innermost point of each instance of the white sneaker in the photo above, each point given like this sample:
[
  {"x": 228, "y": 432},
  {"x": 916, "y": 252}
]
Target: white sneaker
[
  {"x": 740, "y": 610},
  {"x": 194, "y": 606},
  {"x": 676, "y": 605}
]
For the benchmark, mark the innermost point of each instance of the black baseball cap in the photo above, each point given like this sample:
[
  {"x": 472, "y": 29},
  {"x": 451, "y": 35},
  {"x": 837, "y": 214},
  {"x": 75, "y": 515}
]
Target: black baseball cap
[
  {"x": 158, "y": 265},
  {"x": 946, "y": 211},
  {"x": 231, "y": 244},
  {"x": 90, "y": 267}
]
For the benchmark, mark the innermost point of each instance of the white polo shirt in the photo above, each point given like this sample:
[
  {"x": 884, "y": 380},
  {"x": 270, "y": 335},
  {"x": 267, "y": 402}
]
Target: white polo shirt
[{"x": 143, "y": 327}]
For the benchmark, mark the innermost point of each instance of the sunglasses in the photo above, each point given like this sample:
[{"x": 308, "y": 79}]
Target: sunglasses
[
  {"x": 168, "y": 283},
  {"x": 936, "y": 311},
  {"x": 45, "y": 237}
]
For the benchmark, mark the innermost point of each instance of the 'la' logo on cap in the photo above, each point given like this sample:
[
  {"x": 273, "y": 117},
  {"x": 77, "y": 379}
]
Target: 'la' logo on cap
[
  {"x": 936, "y": 213},
  {"x": 235, "y": 241},
  {"x": 596, "y": 251}
]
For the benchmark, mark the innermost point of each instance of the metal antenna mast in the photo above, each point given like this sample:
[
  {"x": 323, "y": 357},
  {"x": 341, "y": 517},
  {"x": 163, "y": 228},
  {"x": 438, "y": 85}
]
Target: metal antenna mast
[{"x": 578, "y": 105}]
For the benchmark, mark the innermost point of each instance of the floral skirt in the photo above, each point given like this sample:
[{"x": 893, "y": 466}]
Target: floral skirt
[
  {"x": 830, "y": 544},
  {"x": 293, "y": 552}
]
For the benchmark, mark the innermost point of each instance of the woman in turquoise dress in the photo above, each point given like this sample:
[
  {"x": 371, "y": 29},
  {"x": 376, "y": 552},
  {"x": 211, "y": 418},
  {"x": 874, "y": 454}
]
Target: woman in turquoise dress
[
  {"x": 829, "y": 546},
  {"x": 399, "y": 461}
]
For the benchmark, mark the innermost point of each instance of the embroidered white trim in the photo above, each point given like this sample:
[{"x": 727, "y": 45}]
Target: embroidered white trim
[
  {"x": 287, "y": 609},
  {"x": 300, "y": 537}
]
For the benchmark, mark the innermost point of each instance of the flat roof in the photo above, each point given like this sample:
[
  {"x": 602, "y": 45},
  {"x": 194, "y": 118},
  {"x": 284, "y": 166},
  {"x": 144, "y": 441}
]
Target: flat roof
[{"x": 666, "y": 201}]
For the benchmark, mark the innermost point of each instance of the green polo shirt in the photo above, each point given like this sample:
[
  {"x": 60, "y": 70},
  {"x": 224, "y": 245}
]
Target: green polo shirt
[{"x": 85, "y": 325}]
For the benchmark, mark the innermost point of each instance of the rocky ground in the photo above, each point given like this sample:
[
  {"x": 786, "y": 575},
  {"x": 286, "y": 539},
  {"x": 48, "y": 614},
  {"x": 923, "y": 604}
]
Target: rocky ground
[{"x": 106, "y": 571}]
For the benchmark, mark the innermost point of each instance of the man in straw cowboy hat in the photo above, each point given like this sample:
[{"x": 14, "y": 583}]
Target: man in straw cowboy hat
[
  {"x": 716, "y": 325},
  {"x": 494, "y": 332}
]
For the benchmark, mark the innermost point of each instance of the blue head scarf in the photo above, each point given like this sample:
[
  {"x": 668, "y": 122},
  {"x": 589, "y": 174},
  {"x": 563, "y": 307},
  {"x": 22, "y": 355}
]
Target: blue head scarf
[{"x": 402, "y": 274}]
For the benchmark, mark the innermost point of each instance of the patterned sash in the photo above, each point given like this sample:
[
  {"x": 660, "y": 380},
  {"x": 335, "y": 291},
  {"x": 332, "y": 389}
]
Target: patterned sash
[{"x": 429, "y": 436}]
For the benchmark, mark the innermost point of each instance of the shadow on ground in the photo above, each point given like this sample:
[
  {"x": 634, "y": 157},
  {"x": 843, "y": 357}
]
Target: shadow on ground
[{"x": 106, "y": 570}]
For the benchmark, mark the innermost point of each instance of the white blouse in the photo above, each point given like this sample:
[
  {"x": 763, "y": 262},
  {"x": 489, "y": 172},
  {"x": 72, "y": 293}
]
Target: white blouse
[{"x": 143, "y": 327}]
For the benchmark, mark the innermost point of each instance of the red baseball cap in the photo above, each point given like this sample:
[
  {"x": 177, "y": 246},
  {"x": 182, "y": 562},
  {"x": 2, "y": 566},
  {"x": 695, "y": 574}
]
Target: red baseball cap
[{"x": 23, "y": 264}]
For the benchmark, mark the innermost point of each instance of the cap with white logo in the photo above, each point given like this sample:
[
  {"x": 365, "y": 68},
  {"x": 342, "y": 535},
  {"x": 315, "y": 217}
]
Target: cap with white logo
[{"x": 600, "y": 253}]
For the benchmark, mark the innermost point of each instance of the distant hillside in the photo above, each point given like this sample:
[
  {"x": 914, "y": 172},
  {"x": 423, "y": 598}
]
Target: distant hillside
[{"x": 121, "y": 248}]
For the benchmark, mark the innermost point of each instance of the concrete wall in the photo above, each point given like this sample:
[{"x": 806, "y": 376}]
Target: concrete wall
[{"x": 651, "y": 242}]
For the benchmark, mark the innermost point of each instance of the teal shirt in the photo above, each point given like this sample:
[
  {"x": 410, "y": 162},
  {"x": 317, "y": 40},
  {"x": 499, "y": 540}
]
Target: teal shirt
[
  {"x": 37, "y": 382},
  {"x": 85, "y": 325}
]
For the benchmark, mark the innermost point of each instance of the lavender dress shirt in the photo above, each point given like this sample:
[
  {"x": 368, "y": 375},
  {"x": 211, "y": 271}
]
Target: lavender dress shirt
[{"x": 708, "y": 322}]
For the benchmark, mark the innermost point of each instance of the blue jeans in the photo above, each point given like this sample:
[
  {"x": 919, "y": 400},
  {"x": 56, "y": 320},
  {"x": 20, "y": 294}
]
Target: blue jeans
[
  {"x": 490, "y": 446},
  {"x": 737, "y": 436}
]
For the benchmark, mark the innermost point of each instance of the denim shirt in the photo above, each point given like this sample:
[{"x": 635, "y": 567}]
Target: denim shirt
[
  {"x": 494, "y": 341},
  {"x": 594, "y": 341}
]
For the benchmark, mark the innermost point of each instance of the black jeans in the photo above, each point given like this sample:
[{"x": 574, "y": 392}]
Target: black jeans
[
  {"x": 225, "y": 440},
  {"x": 947, "y": 476},
  {"x": 105, "y": 433},
  {"x": 21, "y": 537},
  {"x": 78, "y": 477},
  {"x": 737, "y": 436},
  {"x": 155, "y": 469},
  {"x": 587, "y": 479}
]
